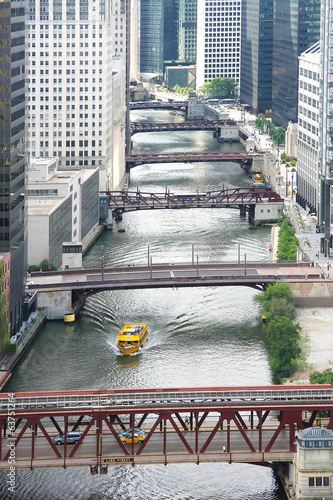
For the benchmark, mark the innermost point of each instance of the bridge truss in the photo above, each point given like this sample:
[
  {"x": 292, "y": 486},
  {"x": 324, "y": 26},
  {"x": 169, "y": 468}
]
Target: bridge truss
[
  {"x": 126, "y": 201},
  {"x": 254, "y": 425},
  {"x": 242, "y": 157}
]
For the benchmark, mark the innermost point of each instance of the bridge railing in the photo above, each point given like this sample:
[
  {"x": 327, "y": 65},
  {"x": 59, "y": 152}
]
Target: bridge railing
[{"x": 166, "y": 398}]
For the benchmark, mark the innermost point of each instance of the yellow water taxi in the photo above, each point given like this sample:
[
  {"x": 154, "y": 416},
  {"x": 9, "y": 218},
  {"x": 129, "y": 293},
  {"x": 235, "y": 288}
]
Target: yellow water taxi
[{"x": 132, "y": 337}]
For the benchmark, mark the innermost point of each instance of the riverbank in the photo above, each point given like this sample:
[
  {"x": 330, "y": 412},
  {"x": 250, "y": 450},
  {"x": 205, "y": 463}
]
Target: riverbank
[{"x": 316, "y": 326}]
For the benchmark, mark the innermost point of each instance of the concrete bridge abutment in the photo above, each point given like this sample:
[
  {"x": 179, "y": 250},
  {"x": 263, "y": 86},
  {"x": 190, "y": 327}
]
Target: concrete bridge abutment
[
  {"x": 55, "y": 304},
  {"x": 313, "y": 294}
]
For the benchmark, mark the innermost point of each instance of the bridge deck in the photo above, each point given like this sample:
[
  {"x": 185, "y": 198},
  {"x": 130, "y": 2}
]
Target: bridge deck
[{"x": 254, "y": 424}]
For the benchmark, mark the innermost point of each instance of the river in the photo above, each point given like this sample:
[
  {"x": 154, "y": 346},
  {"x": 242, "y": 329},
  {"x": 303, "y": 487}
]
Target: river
[{"x": 198, "y": 337}]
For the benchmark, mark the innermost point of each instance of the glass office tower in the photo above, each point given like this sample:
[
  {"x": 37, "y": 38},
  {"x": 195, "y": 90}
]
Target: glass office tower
[
  {"x": 151, "y": 36},
  {"x": 296, "y": 28},
  {"x": 12, "y": 150},
  {"x": 171, "y": 10},
  {"x": 257, "y": 49}
]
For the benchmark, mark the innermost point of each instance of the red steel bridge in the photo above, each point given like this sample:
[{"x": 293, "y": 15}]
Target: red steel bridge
[
  {"x": 138, "y": 127},
  {"x": 253, "y": 424},
  {"x": 244, "y": 158}
]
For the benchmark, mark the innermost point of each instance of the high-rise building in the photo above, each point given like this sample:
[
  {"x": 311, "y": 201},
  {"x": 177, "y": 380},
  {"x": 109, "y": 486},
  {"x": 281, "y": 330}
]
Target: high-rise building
[
  {"x": 308, "y": 186},
  {"x": 187, "y": 31},
  {"x": 151, "y": 36},
  {"x": 218, "y": 40},
  {"x": 257, "y": 50},
  {"x": 296, "y": 28},
  {"x": 326, "y": 123},
  {"x": 70, "y": 82},
  {"x": 12, "y": 151},
  {"x": 170, "y": 42}
]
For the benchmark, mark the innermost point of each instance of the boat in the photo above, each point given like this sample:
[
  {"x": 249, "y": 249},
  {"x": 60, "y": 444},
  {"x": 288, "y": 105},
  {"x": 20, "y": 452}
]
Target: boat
[{"x": 132, "y": 337}]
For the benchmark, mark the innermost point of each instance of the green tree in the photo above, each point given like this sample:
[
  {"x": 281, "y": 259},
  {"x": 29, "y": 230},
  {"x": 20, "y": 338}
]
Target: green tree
[
  {"x": 220, "y": 88},
  {"x": 274, "y": 298},
  {"x": 325, "y": 377},
  {"x": 283, "y": 337}
]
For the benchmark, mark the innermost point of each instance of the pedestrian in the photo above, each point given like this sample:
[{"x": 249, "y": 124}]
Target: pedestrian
[{"x": 223, "y": 449}]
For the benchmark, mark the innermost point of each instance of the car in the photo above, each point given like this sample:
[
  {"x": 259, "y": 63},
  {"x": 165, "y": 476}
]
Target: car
[
  {"x": 137, "y": 438},
  {"x": 127, "y": 432},
  {"x": 72, "y": 438}
]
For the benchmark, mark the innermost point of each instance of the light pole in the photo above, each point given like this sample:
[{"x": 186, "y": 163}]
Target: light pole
[{"x": 102, "y": 261}]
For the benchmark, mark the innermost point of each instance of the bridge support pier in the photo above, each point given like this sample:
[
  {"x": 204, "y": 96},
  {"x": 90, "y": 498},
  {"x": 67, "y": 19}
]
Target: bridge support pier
[
  {"x": 55, "y": 304},
  {"x": 242, "y": 210}
]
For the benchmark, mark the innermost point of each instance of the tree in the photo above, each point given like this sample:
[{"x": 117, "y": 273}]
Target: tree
[
  {"x": 325, "y": 377},
  {"x": 283, "y": 337},
  {"x": 275, "y": 298},
  {"x": 220, "y": 88}
]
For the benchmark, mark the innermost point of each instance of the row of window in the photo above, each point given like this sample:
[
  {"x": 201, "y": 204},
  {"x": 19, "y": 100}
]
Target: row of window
[
  {"x": 307, "y": 112},
  {"x": 309, "y": 74},
  {"x": 68, "y": 26},
  {"x": 308, "y": 100},
  {"x": 309, "y": 87},
  {"x": 319, "y": 481},
  {"x": 308, "y": 126}
]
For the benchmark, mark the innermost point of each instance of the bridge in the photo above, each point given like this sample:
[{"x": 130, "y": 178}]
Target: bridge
[
  {"x": 138, "y": 127},
  {"x": 253, "y": 425},
  {"x": 158, "y": 105},
  {"x": 244, "y": 158},
  {"x": 63, "y": 292},
  {"x": 238, "y": 198}
]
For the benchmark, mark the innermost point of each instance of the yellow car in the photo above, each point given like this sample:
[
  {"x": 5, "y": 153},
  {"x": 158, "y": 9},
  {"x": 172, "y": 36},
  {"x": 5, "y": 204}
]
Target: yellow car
[{"x": 138, "y": 438}]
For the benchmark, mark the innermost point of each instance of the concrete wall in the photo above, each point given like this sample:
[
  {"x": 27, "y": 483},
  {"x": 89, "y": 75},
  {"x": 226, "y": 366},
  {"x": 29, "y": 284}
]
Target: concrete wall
[
  {"x": 55, "y": 304},
  {"x": 38, "y": 239},
  {"x": 317, "y": 294},
  {"x": 268, "y": 212},
  {"x": 229, "y": 133}
]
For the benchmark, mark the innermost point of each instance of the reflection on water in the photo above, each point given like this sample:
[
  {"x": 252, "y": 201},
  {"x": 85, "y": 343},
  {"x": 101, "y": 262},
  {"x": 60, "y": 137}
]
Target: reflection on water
[{"x": 197, "y": 336}]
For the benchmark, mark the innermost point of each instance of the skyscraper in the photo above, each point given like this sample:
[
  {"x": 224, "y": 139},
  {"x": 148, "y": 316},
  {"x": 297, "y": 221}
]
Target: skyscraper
[
  {"x": 326, "y": 123},
  {"x": 257, "y": 50},
  {"x": 12, "y": 150},
  {"x": 187, "y": 31},
  {"x": 70, "y": 83},
  {"x": 151, "y": 36},
  {"x": 218, "y": 40},
  {"x": 170, "y": 42},
  {"x": 296, "y": 28}
]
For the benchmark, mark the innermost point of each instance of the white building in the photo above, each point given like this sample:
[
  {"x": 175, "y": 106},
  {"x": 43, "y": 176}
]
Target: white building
[
  {"x": 70, "y": 84},
  {"x": 308, "y": 185},
  {"x": 218, "y": 40},
  {"x": 62, "y": 206},
  {"x": 291, "y": 140},
  {"x": 326, "y": 118}
]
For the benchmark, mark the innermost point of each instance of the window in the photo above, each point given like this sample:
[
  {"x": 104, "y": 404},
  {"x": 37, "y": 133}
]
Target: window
[{"x": 319, "y": 481}]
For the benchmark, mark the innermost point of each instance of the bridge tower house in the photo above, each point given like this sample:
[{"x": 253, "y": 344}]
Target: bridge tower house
[{"x": 313, "y": 464}]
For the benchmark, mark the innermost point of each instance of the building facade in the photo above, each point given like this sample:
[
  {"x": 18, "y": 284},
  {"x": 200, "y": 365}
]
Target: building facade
[
  {"x": 62, "y": 206},
  {"x": 187, "y": 31},
  {"x": 257, "y": 51},
  {"x": 70, "y": 83},
  {"x": 296, "y": 28},
  {"x": 12, "y": 151},
  {"x": 218, "y": 40},
  {"x": 308, "y": 186},
  {"x": 151, "y": 37},
  {"x": 326, "y": 124},
  {"x": 4, "y": 301},
  {"x": 170, "y": 42},
  {"x": 313, "y": 464}
]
